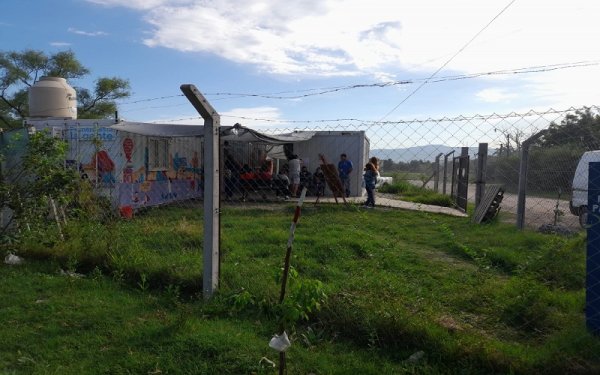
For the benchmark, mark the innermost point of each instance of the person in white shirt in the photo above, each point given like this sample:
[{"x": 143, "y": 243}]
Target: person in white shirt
[{"x": 294, "y": 174}]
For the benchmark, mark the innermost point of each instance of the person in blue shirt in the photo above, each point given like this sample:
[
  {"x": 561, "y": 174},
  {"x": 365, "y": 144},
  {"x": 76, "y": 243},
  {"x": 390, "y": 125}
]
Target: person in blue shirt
[
  {"x": 344, "y": 170},
  {"x": 370, "y": 178}
]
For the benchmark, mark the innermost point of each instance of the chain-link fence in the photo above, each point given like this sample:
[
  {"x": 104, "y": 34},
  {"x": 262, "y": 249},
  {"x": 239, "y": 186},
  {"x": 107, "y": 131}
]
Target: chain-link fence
[
  {"x": 390, "y": 285},
  {"x": 138, "y": 165},
  {"x": 425, "y": 153}
]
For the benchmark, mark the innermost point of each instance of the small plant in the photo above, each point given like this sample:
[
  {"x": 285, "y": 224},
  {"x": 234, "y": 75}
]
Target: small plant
[
  {"x": 174, "y": 292},
  {"x": 305, "y": 297},
  {"x": 143, "y": 283},
  {"x": 71, "y": 264},
  {"x": 313, "y": 336},
  {"x": 96, "y": 274},
  {"x": 118, "y": 275},
  {"x": 242, "y": 300}
]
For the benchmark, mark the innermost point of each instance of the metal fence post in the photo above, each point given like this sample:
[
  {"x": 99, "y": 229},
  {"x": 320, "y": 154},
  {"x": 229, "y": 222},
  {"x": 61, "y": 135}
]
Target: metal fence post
[
  {"x": 481, "y": 169},
  {"x": 462, "y": 177},
  {"x": 523, "y": 165},
  {"x": 453, "y": 179},
  {"x": 436, "y": 173},
  {"x": 445, "y": 172},
  {"x": 210, "y": 275}
]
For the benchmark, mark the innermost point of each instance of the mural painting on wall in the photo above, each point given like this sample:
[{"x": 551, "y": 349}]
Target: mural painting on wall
[
  {"x": 180, "y": 180},
  {"x": 128, "y": 170},
  {"x": 100, "y": 169}
]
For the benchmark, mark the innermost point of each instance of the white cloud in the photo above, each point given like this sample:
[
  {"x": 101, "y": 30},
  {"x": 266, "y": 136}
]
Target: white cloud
[
  {"x": 385, "y": 38},
  {"x": 60, "y": 44},
  {"x": 494, "y": 95},
  {"x": 138, "y": 4},
  {"x": 86, "y": 33}
]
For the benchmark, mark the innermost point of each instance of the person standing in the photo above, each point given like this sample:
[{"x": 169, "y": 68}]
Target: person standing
[
  {"x": 373, "y": 160},
  {"x": 294, "y": 174},
  {"x": 231, "y": 172},
  {"x": 370, "y": 178},
  {"x": 344, "y": 169}
]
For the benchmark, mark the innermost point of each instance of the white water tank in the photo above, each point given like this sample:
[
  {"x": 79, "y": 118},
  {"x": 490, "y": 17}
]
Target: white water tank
[{"x": 52, "y": 97}]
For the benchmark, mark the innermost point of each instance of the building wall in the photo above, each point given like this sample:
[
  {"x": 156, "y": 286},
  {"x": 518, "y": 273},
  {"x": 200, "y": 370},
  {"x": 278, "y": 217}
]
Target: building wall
[
  {"x": 331, "y": 144},
  {"x": 118, "y": 163}
]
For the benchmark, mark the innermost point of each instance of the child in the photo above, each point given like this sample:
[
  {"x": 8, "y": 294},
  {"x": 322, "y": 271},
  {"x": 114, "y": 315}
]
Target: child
[
  {"x": 282, "y": 184},
  {"x": 319, "y": 182},
  {"x": 370, "y": 178},
  {"x": 373, "y": 160}
]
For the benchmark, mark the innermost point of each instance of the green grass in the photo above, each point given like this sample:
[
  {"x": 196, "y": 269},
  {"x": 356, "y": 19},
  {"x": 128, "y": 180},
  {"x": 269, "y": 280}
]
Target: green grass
[
  {"x": 402, "y": 176},
  {"x": 411, "y": 193},
  {"x": 56, "y": 324},
  {"x": 474, "y": 298}
]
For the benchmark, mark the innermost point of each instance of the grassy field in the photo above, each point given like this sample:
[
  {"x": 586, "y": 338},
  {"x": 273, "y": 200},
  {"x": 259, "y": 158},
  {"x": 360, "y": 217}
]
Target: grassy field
[
  {"x": 472, "y": 299},
  {"x": 411, "y": 193}
]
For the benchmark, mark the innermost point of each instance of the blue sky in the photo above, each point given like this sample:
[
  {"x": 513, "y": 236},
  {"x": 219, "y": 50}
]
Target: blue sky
[{"x": 273, "y": 46}]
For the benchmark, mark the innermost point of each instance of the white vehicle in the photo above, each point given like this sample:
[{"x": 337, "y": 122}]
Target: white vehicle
[{"x": 579, "y": 197}]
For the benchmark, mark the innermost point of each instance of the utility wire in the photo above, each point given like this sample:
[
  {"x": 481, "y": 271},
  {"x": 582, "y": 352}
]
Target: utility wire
[{"x": 448, "y": 61}]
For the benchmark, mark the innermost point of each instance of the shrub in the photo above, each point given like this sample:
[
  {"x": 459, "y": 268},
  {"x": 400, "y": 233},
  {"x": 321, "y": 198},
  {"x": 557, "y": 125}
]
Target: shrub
[
  {"x": 396, "y": 188},
  {"x": 527, "y": 306},
  {"x": 561, "y": 265}
]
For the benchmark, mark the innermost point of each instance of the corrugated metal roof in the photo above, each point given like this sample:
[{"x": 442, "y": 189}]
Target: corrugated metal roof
[
  {"x": 228, "y": 133},
  {"x": 160, "y": 130}
]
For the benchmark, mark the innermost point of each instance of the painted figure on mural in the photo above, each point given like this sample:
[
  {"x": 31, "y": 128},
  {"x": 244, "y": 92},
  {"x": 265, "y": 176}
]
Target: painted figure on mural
[{"x": 104, "y": 167}]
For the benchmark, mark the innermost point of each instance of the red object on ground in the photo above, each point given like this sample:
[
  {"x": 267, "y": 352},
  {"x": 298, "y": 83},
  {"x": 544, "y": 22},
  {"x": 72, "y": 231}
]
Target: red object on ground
[{"x": 126, "y": 212}]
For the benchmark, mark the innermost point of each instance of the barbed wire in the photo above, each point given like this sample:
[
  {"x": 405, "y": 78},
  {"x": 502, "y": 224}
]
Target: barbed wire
[
  {"x": 328, "y": 90},
  {"x": 493, "y": 116}
]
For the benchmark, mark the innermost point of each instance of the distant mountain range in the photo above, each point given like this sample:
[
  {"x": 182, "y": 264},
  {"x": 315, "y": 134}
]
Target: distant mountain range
[{"x": 424, "y": 153}]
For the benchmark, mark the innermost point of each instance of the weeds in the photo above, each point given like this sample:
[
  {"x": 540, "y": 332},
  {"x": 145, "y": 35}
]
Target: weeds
[
  {"x": 143, "y": 283},
  {"x": 481, "y": 298}
]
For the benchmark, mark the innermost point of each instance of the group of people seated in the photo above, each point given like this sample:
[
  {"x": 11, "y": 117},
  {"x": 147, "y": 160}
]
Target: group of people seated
[
  {"x": 313, "y": 182},
  {"x": 244, "y": 179}
]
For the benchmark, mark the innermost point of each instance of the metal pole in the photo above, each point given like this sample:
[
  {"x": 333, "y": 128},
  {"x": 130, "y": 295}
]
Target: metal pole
[
  {"x": 523, "y": 165},
  {"x": 436, "y": 173},
  {"x": 445, "y": 167},
  {"x": 481, "y": 169},
  {"x": 462, "y": 176},
  {"x": 286, "y": 271},
  {"x": 210, "y": 275}
]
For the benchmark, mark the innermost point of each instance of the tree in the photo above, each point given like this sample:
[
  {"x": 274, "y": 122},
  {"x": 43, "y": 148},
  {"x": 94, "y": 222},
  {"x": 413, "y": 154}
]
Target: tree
[
  {"x": 101, "y": 103},
  {"x": 20, "y": 70},
  {"x": 579, "y": 129},
  {"x": 554, "y": 155},
  {"x": 42, "y": 180}
]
